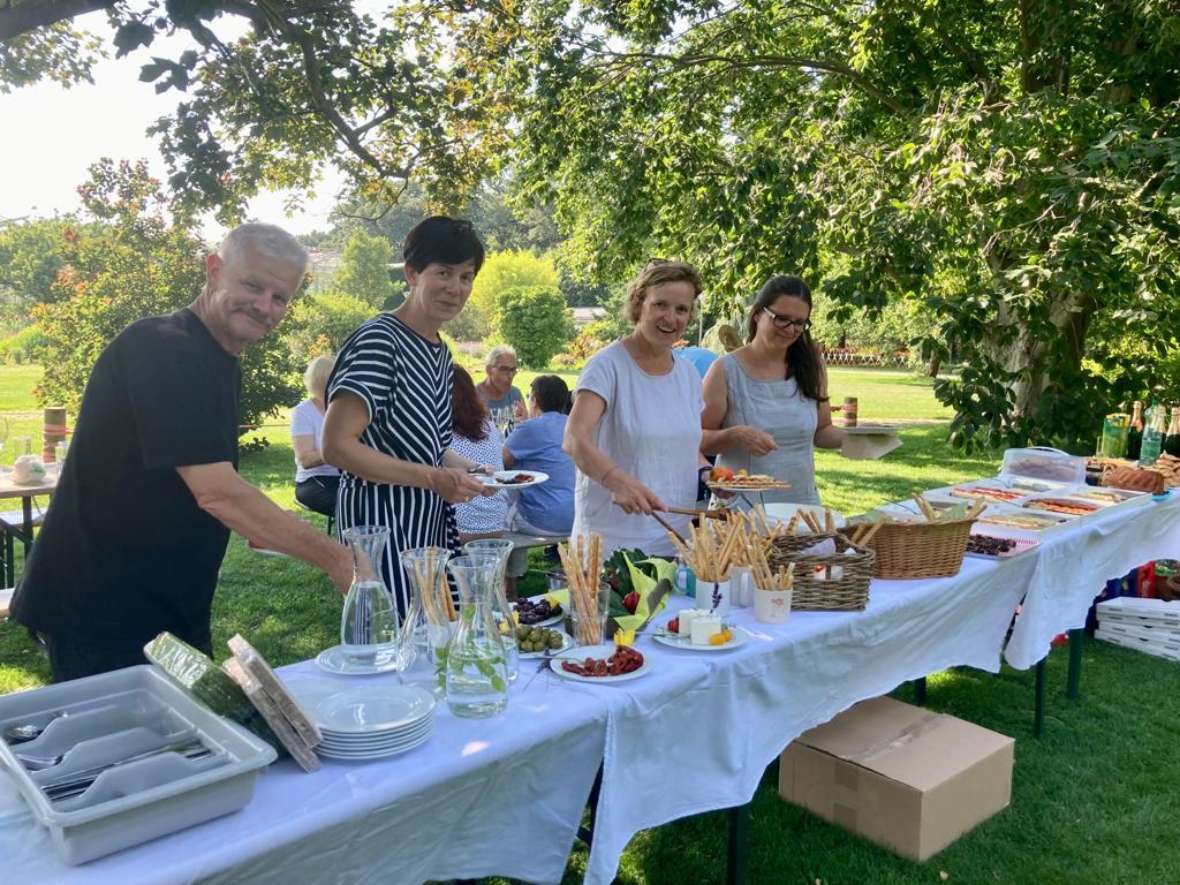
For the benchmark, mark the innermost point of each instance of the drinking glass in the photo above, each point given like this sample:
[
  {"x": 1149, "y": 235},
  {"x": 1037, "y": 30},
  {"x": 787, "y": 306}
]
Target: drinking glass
[
  {"x": 60, "y": 450},
  {"x": 588, "y": 614},
  {"x": 426, "y": 568},
  {"x": 21, "y": 445}
]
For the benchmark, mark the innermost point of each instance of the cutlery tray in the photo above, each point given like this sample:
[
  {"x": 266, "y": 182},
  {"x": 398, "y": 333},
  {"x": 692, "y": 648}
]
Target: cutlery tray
[{"x": 114, "y": 716}]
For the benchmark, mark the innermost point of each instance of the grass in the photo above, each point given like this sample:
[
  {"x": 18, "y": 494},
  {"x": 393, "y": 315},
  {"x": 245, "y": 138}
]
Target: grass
[{"x": 1093, "y": 800}]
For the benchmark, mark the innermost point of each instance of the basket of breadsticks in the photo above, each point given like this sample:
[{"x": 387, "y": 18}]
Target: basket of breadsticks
[
  {"x": 929, "y": 546},
  {"x": 831, "y": 573},
  {"x": 803, "y": 531}
]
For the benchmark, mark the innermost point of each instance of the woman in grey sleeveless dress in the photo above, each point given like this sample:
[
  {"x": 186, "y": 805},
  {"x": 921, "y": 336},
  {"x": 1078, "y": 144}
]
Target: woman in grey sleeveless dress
[{"x": 766, "y": 404}]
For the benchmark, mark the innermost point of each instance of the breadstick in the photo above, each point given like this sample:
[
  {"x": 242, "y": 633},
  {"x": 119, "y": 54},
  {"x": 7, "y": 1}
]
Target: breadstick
[{"x": 873, "y": 529}]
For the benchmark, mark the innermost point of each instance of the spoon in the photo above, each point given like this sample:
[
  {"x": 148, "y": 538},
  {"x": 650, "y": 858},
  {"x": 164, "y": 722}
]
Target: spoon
[{"x": 23, "y": 732}]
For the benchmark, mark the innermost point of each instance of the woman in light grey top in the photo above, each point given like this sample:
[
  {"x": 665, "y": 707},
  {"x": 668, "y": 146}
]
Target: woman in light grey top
[
  {"x": 634, "y": 432},
  {"x": 766, "y": 404}
]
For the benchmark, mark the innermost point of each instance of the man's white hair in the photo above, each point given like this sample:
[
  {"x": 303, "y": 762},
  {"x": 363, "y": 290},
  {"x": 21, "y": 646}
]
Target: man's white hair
[
  {"x": 265, "y": 239},
  {"x": 498, "y": 351}
]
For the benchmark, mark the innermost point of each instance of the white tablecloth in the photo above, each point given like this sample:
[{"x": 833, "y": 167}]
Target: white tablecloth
[
  {"x": 505, "y": 796},
  {"x": 716, "y": 720},
  {"x": 481, "y": 797},
  {"x": 1073, "y": 564}
]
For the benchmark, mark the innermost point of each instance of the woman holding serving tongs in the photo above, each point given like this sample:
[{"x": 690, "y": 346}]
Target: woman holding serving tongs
[{"x": 634, "y": 431}]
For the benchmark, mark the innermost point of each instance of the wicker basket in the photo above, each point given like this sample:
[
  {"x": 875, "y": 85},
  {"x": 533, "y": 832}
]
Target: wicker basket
[
  {"x": 920, "y": 549},
  {"x": 815, "y": 588}
]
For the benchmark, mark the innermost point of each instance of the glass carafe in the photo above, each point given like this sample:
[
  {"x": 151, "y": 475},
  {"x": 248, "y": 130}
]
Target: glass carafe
[
  {"x": 369, "y": 633},
  {"x": 477, "y": 673},
  {"x": 501, "y": 609},
  {"x": 426, "y": 568}
]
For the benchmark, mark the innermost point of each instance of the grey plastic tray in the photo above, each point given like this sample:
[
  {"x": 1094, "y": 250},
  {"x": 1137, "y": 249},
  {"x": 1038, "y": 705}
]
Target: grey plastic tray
[{"x": 115, "y": 715}]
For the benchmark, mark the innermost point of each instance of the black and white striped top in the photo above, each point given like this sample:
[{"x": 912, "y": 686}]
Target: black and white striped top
[{"x": 405, "y": 382}]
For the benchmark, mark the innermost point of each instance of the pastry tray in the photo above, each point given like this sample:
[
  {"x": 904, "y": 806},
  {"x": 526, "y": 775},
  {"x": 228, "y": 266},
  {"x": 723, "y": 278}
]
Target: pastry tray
[{"x": 113, "y": 716}]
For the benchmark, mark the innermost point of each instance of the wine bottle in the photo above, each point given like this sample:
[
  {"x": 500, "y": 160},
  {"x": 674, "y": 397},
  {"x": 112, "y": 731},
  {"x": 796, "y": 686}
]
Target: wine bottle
[
  {"x": 1172, "y": 440},
  {"x": 1153, "y": 435},
  {"x": 1135, "y": 432}
]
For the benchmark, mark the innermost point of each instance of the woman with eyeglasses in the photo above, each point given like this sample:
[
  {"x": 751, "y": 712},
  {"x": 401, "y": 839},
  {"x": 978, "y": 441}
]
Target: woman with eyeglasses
[{"x": 766, "y": 403}]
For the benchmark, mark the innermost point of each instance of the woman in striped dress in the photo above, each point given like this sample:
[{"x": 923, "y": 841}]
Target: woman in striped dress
[{"x": 388, "y": 424}]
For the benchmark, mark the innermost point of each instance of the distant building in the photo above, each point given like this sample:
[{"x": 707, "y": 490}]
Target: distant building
[
  {"x": 323, "y": 266},
  {"x": 584, "y": 316}
]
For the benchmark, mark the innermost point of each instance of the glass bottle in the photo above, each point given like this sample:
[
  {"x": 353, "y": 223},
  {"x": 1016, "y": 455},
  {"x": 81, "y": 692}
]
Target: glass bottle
[
  {"x": 477, "y": 673},
  {"x": 1153, "y": 436},
  {"x": 1135, "y": 431},
  {"x": 501, "y": 548},
  {"x": 1172, "y": 439},
  {"x": 369, "y": 633},
  {"x": 426, "y": 568}
]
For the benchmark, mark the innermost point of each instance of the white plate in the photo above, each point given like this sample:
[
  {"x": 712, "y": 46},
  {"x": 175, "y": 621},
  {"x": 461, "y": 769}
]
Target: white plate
[
  {"x": 605, "y": 650},
  {"x": 548, "y": 622},
  {"x": 567, "y": 642},
  {"x": 333, "y": 660},
  {"x": 783, "y": 513},
  {"x": 372, "y": 709},
  {"x": 384, "y": 740},
  {"x": 364, "y": 755},
  {"x": 673, "y": 641},
  {"x": 496, "y": 480}
]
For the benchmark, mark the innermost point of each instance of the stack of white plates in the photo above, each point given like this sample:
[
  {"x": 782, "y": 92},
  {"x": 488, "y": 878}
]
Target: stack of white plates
[{"x": 368, "y": 721}]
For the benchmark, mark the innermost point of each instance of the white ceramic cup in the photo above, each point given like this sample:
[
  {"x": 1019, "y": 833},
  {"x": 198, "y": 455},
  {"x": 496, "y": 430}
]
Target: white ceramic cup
[
  {"x": 771, "y": 606},
  {"x": 705, "y": 594}
]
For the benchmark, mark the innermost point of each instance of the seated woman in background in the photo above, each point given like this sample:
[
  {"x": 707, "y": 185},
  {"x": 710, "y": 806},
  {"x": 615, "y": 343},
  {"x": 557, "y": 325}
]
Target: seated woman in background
[
  {"x": 475, "y": 437},
  {"x": 316, "y": 482},
  {"x": 547, "y": 509}
]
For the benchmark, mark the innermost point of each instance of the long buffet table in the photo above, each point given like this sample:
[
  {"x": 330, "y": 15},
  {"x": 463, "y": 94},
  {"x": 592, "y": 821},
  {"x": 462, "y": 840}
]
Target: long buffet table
[{"x": 505, "y": 796}]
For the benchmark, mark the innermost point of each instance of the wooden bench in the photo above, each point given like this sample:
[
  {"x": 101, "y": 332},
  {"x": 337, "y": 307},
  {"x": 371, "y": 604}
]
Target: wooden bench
[{"x": 518, "y": 561}]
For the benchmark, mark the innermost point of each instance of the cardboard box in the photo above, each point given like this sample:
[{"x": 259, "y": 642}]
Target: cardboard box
[{"x": 904, "y": 777}]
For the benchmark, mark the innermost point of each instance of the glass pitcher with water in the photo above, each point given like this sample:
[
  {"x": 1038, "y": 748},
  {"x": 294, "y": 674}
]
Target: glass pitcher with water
[
  {"x": 426, "y": 569},
  {"x": 369, "y": 629},
  {"x": 477, "y": 672},
  {"x": 501, "y": 548}
]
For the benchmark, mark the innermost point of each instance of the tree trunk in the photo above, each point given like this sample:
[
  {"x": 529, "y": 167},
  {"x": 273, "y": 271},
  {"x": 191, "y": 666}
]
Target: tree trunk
[{"x": 1029, "y": 356}]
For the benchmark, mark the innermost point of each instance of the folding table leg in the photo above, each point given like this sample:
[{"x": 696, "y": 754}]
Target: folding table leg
[
  {"x": 1077, "y": 639},
  {"x": 586, "y": 833},
  {"x": 1039, "y": 699},
  {"x": 919, "y": 691},
  {"x": 739, "y": 843}
]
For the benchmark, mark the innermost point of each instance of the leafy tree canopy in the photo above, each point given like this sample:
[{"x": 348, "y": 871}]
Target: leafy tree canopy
[
  {"x": 132, "y": 262},
  {"x": 1014, "y": 165}
]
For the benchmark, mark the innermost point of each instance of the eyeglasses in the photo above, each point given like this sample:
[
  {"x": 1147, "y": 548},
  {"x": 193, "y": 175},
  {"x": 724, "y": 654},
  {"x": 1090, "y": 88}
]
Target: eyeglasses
[
  {"x": 782, "y": 322},
  {"x": 511, "y": 370}
]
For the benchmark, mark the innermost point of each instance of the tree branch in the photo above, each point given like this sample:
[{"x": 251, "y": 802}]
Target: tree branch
[
  {"x": 20, "y": 18},
  {"x": 688, "y": 60}
]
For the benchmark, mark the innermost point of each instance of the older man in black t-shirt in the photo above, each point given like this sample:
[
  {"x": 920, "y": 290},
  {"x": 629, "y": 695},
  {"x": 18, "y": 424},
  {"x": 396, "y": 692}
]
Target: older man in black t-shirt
[{"x": 142, "y": 513}]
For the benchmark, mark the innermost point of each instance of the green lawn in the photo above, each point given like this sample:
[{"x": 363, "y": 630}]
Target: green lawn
[{"x": 1093, "y": 800}]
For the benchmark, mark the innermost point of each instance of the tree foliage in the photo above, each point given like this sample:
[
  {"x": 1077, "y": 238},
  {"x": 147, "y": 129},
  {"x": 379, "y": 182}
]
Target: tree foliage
[
  {"x": 322, "y": 321},
  {"x": 364, "y": 272},
  {"x": 1011, "y": 165},
  {"x": 536, "y": 322},
  {"x": 503, "y": 271},
  {"x": 31, "y": 256},
  {"x": 132, "y": 262}
]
